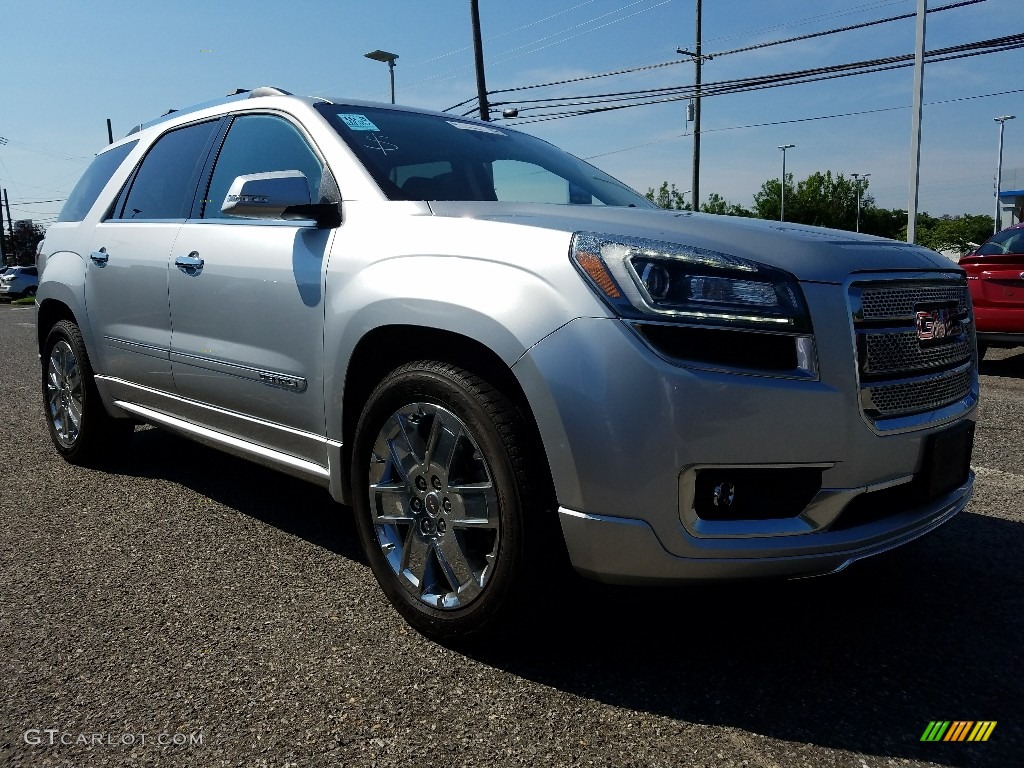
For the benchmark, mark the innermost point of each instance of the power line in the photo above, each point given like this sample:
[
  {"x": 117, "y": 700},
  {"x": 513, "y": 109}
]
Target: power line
[
  {"x": 802, "y": 120},
  {"x": 560, "y": 37},
  {"x": 571, "y": 106},
  {"x": 757, "y": 46},
  {"x": 850, "y": 28}
]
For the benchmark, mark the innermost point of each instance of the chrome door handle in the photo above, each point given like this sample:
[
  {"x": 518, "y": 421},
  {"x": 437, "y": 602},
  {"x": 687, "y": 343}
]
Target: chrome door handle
[
  {"x": 192, "y": 261},
  {"x": 99, "y": 257}
]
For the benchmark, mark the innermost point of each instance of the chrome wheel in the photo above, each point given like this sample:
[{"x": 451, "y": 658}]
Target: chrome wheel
[
  {"x": 65, "y": 393},
  {"x": 433, "y": 506}
]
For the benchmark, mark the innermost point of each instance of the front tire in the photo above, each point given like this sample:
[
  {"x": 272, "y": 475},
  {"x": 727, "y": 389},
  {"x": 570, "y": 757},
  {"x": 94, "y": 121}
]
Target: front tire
[
  {"x": 81, "y": 429},
  {"x": 440, "y": 487}
]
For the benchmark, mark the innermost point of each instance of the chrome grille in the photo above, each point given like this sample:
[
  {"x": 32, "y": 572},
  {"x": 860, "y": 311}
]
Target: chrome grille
[
  {"x": 893, "y": 302},
  {"x": 895, "y": 352},
  {"x": 901, "y": 376},
  {"x": 926, "y": 395}
]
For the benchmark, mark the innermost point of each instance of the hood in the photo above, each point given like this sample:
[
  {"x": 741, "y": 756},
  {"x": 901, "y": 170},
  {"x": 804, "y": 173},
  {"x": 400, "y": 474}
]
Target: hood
[{"x": 812, "y": 254}]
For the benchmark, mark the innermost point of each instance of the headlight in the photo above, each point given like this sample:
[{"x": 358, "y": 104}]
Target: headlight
[{"x": 652, "y": 280}]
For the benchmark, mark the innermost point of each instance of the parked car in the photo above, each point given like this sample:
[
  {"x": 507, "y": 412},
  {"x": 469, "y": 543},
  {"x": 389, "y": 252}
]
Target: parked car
[
  {"x": 995, "y": 274},
  {"x": 500, "y": 355},
  {"x": 18, "y": 282}
]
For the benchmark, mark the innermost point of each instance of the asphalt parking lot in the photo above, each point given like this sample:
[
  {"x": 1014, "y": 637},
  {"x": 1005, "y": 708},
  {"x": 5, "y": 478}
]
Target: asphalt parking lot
[{"x": 187, "y": 608}]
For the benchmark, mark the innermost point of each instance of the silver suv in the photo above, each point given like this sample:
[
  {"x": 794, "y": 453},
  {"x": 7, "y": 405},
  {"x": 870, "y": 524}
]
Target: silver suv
[{"x": 498, "y": 354}]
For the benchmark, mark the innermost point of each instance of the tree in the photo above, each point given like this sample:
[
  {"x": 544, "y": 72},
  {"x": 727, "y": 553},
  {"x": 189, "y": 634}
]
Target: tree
[
  {"x": 21, "y": 246},
  {"x": 821, "y": 199},
  {"x": 668, "y": 197},
  {"x": 958, "y": 234},
  {"x": 884, "y": 222},
  {"x": 718, "y": 204}
]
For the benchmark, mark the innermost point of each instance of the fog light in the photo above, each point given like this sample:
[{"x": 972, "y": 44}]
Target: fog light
[
  {"x": 754, "y": 493},
  {"x": 725, "y": 494}
]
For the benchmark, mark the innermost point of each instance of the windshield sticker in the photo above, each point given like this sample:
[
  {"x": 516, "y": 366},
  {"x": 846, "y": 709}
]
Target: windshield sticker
[
  {"x": 475, "y": 127},
  {"x": 380, "y": 143},
  {"x": 358, "y": 122}
]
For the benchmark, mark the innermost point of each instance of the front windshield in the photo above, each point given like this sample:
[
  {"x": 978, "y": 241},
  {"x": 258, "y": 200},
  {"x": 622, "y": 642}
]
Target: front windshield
[{"x": 415, "y": 156}]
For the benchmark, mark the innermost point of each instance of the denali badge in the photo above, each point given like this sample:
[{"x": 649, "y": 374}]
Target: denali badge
[
  {"x": 934, "y": 324},
  {"x": 294, "y": 383}
]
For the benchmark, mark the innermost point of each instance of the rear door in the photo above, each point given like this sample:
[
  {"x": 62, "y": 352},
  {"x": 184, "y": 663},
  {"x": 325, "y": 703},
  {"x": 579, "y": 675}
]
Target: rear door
[
  {"x": 246, "y": 299},
  {"x": 126, "y": 269}
]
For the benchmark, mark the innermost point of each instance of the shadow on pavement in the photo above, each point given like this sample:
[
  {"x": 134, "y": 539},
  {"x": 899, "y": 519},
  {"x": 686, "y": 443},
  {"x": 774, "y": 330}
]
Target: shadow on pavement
[
  {"x": 859, "y": 661},
  {"x": 1003, "y": 362},
  {"x": 287, "y": 503}
]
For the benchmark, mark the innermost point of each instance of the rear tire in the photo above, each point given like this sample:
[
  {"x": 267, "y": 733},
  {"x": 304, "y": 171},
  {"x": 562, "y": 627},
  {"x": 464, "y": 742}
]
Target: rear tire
[
  {"x": 441, "y": 484},
  {"x": 81, "y": 429}
]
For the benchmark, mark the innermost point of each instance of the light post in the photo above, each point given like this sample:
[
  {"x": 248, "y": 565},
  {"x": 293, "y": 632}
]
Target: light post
[
  {"x": 856, "y": 180},
  {"x": 782, "y": 186},
  {"x": 999, "y": 165},
  {"x": 389, "y": 59}
]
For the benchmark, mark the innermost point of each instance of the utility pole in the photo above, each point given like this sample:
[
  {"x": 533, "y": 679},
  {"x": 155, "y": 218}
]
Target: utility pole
[
  {"x": 698, "y": 59},
  {"x": 478, "y": 56},
  {"x": 915, "y": 128},
  {"x": 856, "y": 180},
  {"x": 999, "y": 165},
  {"x": 3, "y": 241},
  {"x": 110, "y": 132},
  {"x": 10, "y": 222},
  {"x": 782, "y": 186}
]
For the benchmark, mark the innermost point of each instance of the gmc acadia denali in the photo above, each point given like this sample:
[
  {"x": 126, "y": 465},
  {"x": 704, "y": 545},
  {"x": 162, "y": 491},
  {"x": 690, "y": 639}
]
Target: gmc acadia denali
[{"x": 496, "y": 353}]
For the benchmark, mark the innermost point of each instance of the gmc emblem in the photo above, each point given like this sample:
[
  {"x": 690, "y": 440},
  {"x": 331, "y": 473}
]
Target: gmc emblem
[{"x": 935, "y": 324}]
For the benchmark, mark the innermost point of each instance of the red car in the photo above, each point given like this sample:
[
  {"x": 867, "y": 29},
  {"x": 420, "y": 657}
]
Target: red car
[{"x": 995, "y": 273}]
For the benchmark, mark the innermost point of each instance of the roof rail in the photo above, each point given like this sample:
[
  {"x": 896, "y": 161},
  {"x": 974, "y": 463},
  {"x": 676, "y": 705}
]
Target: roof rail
[
  {"x": 268, "y": 90},
  {"x": 239, "y": 93}
]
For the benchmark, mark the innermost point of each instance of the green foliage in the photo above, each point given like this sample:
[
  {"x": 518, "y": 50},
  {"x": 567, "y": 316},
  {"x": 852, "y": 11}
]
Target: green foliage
[
  {"x": 958, "y": 234},
  {"x": 668, "y": 197},
  {"x": 831, "y": 201},
  {"x": 718, "y": 204},
  {"x": 821, "y": 199},
  {"x": 21, "y": 247},
  {"x": 884, "y": 222}
]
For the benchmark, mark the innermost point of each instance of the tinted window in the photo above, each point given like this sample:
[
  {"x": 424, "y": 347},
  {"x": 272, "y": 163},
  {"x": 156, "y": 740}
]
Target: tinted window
[
  {"x": 258, "y": 144},
  {"x": 407, "y": 154},
  {"x": 1008, "y": 241},
  {"x": 164, "y": 186},
  {"x": 92, "y": 182}
]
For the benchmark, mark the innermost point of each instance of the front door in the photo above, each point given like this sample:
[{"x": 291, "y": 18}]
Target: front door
[{"x": 247, "y": 309}]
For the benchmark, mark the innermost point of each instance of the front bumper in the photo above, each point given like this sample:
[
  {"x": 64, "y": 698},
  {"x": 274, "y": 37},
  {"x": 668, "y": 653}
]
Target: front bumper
[
  {"x": 620, "y": 550},
  {"x": 623, "y": 428}
]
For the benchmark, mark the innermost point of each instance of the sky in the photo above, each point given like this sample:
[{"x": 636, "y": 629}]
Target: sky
[{"x": 69, "y": 66}]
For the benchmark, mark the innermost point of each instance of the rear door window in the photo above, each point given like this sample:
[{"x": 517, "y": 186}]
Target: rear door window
[{"x": 164, "y": 185}]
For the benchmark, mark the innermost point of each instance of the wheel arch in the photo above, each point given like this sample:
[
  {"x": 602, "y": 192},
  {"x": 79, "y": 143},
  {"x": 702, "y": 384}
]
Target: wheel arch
[
  {"x": 384, "y": 348},
  {"x": 49, "y": 313}
]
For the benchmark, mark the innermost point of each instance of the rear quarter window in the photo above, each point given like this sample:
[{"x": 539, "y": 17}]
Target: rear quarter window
[{"x": 93, "y": 181}]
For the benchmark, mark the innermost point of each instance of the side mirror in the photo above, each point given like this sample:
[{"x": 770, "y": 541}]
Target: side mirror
[{"x": 278, "y": 195}]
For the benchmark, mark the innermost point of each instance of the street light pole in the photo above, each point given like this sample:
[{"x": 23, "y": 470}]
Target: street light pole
[
  {"x": 856, "y": 180},
  {"x": 389, "y": 59},
  {"x": 999, "y": 165},
  {"x": 782, "y": 185}
]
